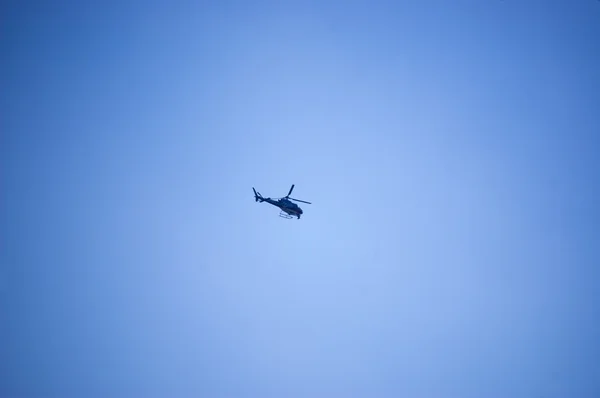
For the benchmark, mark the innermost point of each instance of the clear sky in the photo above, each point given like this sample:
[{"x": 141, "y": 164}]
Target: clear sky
[{"x": 450, "y": 150}]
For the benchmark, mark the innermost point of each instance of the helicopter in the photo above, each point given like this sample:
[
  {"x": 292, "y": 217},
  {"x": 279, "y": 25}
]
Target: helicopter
[{"x": 288, "y": 208}]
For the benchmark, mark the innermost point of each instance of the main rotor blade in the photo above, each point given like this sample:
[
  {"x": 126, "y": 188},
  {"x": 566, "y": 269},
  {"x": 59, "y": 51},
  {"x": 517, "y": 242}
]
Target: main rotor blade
[
  {"x": 303, "y": 201},
  {"x": 291, "y": 189}
]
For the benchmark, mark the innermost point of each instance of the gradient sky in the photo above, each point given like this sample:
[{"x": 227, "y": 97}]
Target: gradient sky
[{"x": 451, "y": 150}]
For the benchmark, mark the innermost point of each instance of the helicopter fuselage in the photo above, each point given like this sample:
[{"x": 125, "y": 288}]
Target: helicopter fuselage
[{"x": 286, "y": 205}]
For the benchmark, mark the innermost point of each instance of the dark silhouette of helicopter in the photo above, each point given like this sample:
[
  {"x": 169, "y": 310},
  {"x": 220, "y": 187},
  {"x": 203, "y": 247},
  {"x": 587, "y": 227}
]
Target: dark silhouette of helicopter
[{"x": 288, "y": 208}]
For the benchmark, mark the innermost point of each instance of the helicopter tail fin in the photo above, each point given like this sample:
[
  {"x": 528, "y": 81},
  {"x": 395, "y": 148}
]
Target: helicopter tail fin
[{"x": 257, "y": 196}]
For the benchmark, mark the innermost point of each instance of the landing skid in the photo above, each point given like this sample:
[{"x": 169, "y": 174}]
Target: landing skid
[{"x": 283, "y": 214}]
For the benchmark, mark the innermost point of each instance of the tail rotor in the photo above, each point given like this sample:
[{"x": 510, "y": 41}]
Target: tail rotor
[{"x": 257, "y": 196}]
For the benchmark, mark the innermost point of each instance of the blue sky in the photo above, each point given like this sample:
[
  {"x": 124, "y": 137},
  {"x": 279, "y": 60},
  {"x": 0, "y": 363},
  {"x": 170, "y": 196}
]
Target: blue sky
[{"x": 450, "y": 150}]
